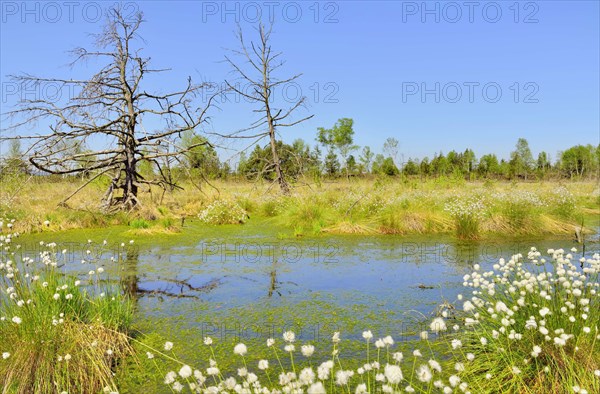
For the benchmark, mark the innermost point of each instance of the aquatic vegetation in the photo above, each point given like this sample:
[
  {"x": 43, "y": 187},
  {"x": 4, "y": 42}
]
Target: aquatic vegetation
[
  {"x": 223, "y": 212},
  {"x": 58, "y": 332},
  {"x": 527, "y": 325},
  {"x": 139, "y": 224}
]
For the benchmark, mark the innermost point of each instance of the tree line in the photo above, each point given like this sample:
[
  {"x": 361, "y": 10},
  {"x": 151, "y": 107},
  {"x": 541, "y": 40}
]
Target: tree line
[{"x": 334, "y": 155}]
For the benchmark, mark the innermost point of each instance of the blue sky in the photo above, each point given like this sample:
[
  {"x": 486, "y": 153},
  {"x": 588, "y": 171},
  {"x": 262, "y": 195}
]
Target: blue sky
[{"x": 369, "y": 61}]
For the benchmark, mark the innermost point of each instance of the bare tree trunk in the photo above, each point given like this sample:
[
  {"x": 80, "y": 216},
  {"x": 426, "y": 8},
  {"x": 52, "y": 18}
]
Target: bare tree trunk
[
  {"x": 112, "y": 104},
  {"x": 283, "y": 185},
  {"x": 130, "y": 188},
  {"x": 259, "y": 75}
]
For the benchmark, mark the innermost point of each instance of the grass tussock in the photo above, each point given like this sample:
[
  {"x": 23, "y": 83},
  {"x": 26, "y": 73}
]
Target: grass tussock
[{"x": 58, "y": 333}]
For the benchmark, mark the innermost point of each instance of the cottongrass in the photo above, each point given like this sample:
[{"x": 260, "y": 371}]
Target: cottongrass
[
  {"x": 529, "y": 325},
  {"x": 223, "y": 212},
  {"x": 534, "y": 325},
  {"x": 57, "y": 334},
  {"x": 467, "y": 214}
]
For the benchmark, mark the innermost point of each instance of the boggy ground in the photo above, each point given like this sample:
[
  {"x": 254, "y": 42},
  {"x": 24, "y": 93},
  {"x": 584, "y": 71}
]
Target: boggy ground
[{"x": 470, "y": 210}]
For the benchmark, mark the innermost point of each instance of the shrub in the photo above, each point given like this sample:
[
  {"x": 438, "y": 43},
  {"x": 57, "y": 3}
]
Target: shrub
[
  {"x": 223, "y": 212},
  {"x": 309, "y": 214}
]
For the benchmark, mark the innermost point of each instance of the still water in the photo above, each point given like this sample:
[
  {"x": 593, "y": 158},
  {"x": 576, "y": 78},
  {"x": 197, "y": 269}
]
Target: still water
[{"x": 249, "y": 282}]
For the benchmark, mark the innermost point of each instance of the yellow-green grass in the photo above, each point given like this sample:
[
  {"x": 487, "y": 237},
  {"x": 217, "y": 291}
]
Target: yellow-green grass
[{"x": 363, "y": 206}]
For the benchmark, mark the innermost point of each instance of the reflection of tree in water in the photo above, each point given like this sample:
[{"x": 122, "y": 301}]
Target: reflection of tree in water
[
  {"x": 129, "y": 276},
  {"x": 173, "y": 287},
  {"x": 275, "y": 284}
]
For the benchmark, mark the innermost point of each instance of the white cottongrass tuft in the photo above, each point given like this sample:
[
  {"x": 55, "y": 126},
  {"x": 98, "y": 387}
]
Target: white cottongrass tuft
[{"x": 240, "y": 349}]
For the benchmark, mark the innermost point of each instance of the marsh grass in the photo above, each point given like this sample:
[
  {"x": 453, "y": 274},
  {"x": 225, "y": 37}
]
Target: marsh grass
[
  {"x": 534, "y": 326},
  {"x": 307, "y": 215},
  {"x": 467, "y": 214},
  {"x": 139, "y": 224},
  {"x": 389, "y": 205},
  {"x": 59, "y": 335}
]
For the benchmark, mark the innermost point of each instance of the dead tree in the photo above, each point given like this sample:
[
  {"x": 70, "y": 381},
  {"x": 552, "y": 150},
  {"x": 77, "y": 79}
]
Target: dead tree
[
  {"x": 110, "y": 108},
  {"x": 255, "y": 82}
]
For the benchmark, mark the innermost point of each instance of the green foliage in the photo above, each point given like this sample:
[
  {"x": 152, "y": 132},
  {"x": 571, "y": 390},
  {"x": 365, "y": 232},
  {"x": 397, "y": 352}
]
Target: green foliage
[
  {"x": 201, "y": 158},
  {"x": 562, "y": 202},
  {"x": 521, "y": 159},
  {"x": 467, "y": 215},
  {"x": 332, "y": 165},
  {"x": 387, "y": 167},
  {"x": 520, "y": 208},
  {"x": 339, "y": 137},
  {"x": 366, "y": 158},
  {"x": 167, "y": 223},
  {"x": 295, "y": 160},
  {"x": 411, "y": 167},
  {"x": 307, "y": 215},
  {"x": 139, "y": 224},
  {"x": 579, "y": 160}
]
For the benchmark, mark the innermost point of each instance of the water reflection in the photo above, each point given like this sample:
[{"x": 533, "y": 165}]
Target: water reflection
[{"x": 129, "y": 277}]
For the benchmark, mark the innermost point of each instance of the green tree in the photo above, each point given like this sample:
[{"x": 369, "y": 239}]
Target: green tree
[
  {"x": 332, "y": 164},
  {"x": 339, "y": 137},
  {"x": 469, "y": 161},
  {"x": 488, "y": 165},
  {"x": 377, "y": 164},
  {"x": 440, "y": 165},
  {"x": 388, "y": 167},
  {"x": 521, "y": 159},
  {"x": 411, "y": 167},
  {"x": 366, "y": 158},
  {"x": 351, "y": 165},
  {"x": 390, "y": 147},
  {"x": 13, "y": 163},
  {"x": 543, "y": 164},
  {"x": 425, "y": 167},
  {"x": 578, "y": 160},
  {"x": 200, "y": 157}
]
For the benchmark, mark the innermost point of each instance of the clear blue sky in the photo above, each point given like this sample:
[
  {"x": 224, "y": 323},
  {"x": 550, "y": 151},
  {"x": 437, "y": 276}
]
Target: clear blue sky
[{"x": 368, "y": 59}]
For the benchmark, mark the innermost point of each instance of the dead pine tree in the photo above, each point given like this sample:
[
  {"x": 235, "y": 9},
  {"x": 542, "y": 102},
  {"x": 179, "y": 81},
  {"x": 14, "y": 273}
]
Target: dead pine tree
[
  {"x": 110, "y": 109},
  {"x": 256, "y": 81}
]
